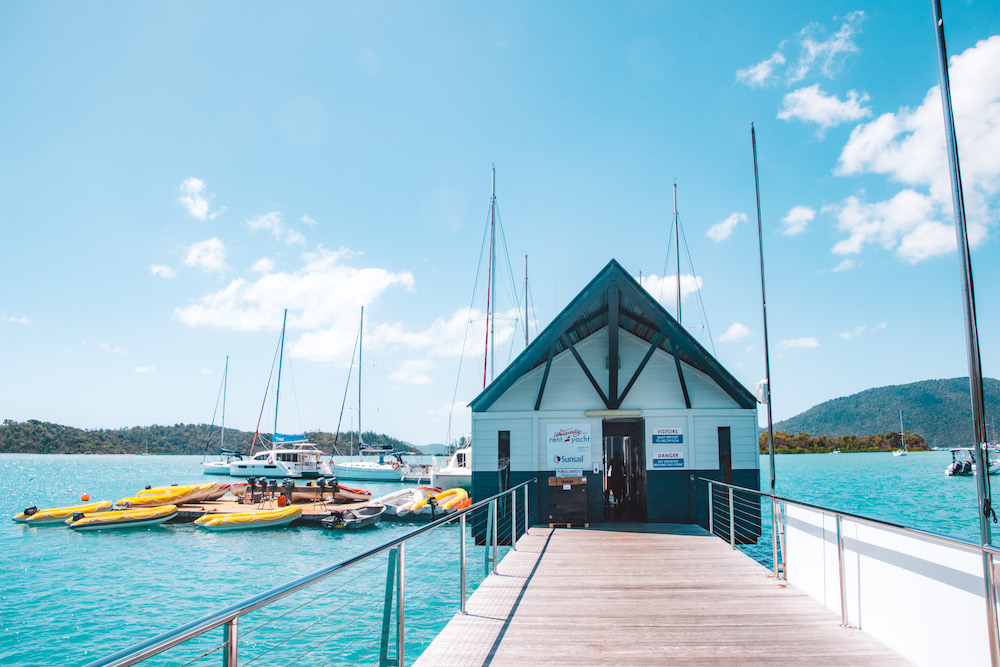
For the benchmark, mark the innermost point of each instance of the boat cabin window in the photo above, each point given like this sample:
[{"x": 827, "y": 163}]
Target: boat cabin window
[{"x": 460, "y": 459}]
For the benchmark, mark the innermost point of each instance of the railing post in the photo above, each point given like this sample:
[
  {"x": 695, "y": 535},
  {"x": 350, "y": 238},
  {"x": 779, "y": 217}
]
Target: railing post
[
  {"x": 513, "y": 520},
  {"x": 496, "y": 520},
  {"x": 400, "y": 615},
  {"x": 230, "y": 634},
  {"x": 732, "y": 521},
  {"x": 526, "y": 509},
  {"x": 774, "y": 535},
  {"x": 462, "y": 556},
  {"x": 486, "y": 538},
  {"x": 390, "y": 582},
  {"x": 711, "y": 504},
  {"x": 843, "y": 576}
]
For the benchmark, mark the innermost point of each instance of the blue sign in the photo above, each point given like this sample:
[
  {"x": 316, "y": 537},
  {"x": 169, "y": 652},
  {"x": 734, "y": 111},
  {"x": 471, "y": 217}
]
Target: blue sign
[
  {"x": 668, "y": 463},
  {"x": 668, "y": 438}
]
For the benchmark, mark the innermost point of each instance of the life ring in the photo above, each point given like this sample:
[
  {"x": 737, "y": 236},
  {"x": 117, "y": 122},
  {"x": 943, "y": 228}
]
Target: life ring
[
  {"x": 395, "y": 465},
  {"x": 270, "y": 459}
]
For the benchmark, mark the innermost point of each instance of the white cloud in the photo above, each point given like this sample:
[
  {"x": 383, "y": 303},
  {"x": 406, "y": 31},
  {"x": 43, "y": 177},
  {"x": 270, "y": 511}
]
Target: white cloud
[
  {"x": 762, "y": 73},
  {"x": 722, "y": 230},
  {"x": 272, "y": 222},
  {"x": 193, "y": 198},
  {"x": 161, "y": 271},
  {"x": 908, "y": 147},
  {"x": 413, "y": 371},
  {"x": 902, "y": 224},
  {"x": 145, "y": 369},
  {"x": 308, "y": 221},
  {"x": 735, "y": 332},
  {"x": 799, "y": 343},
  {"x": 797, "y": 219},
  {"x": 814, "y": 52},
  {"x": 827, "y": 54},
  {"x": 324, "y": 299},
  {"x": 853, "y": 333},
  {"x": 812, "y": 105},
  {"x": 450, "y": 337},
  {"x": 263, "y": 265},
  {"x": 847, "y": 264},
  {"x": 19, "y": 319},
  {"x": 114, "y": 349},
  {"x": 664, "y": 289},
  {"x": 208, "y": 255}
]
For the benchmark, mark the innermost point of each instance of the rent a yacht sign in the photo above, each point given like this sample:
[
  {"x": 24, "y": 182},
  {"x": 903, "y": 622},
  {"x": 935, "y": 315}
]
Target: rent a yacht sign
[
  {"x": 568, "y": 446},
  {"x": 666, "y": 448}
]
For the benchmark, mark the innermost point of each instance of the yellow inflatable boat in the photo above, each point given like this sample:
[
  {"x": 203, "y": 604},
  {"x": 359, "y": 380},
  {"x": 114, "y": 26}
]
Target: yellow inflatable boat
[
  {"x": 446, "y": 501},
  {"x": 245, "y": 520},
  {"x": 169, "y": 495},
  {"x": 57, "y": 515},
  {"x": 131, "y": 518}
]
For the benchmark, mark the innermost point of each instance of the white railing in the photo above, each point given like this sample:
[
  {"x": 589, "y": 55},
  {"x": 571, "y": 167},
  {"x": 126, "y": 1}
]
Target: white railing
[
  {"x": 921, "y": 594},
  {"x": 376, "y": 608}
]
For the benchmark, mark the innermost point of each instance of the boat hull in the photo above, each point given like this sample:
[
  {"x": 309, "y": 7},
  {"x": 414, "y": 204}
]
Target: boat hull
[
  {"x": 119, "y": 519},
  {"x": 367, "y": 472},
  {"x": 449, "y": 478},
  {"x": 249, "y": 520}
]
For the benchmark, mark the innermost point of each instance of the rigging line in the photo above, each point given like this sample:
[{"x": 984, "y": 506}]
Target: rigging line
[
  {"x": 267, "y": 390},
  {"x": 701, "y": 302},
  {"x": 346, "y": 389},
  {"x": 666, "y": 258},
  {"x": 218, "y": 398}
]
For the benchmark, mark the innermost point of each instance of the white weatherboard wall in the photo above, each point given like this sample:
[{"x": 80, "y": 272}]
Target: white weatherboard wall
[{"x": 923, "y": 598}]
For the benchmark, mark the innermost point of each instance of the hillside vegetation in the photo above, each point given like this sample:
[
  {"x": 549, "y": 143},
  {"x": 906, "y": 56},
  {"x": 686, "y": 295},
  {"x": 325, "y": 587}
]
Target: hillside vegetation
[
  {"x": 939, "y": 410},
  {"x": 36, "y": 437},
  {"x": 803, "y": 443}
]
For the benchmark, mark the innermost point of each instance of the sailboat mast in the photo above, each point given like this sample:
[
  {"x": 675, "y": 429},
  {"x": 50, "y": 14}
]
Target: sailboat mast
[
  {"x": 763, "y": 300},
  {"x": 526, "y": 301},
  {"x": 677, "y": 244},
  {"x": 490, "y": 287},
  {"x": 361, "y": 336},
  {"x": 225, "y": 375},
  {"x": 281, "y": 356},
  {"x": 902, "y": 436}
]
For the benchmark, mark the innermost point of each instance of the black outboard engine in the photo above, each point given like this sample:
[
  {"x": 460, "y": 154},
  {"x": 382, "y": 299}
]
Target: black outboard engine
[
  {"x": 287, "y": 486},
  {"x": 28, "y": 511},
  {"x": 77, "y": 516},
  {"x": 272, "y": 487}
]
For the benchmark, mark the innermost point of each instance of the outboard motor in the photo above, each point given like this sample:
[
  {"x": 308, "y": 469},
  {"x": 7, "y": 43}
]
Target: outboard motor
[
  {"x": 287, "y": 486},
  {"x": 77, "y": 516},
  {"x": 272, "y": 487}
]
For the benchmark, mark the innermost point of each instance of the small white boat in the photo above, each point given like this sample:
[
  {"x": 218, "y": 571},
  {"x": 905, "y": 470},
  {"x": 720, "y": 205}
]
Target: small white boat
[
  {"x": 362, "y": 517},
  {"x": 456, "y": 473},
  {"x": 963, "y": 466},
  {"x": 247, "y": 520},
  {"x": 393, "y": 501},
  {"x": 294, "y": 458},
  {"x": 902, "y": 436},
  {"x": 374, "y": 464},
  {"x": 221, "y": 467}
]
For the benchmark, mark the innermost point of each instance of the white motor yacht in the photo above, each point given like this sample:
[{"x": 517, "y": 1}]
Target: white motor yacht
[
  {"x": 457, "y": 473},
  {"x": 290, "y": 456},
  {"x": 374, "y": 464}
]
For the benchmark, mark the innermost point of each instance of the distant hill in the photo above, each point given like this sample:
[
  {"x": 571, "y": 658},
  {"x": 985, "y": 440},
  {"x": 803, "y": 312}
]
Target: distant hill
[
  {"x": 939, "y": 410},
  {"x": 36, "y": 437},
  {"x": 432, "y": 450}
]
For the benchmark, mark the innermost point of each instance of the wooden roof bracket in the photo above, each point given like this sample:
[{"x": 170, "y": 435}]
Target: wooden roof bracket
[
  {"x": 545, "y": 377},
  {"x": 586, "y": 371},
  {"x": 680, "y": 374},
  {"x": 649, "y": 355}
]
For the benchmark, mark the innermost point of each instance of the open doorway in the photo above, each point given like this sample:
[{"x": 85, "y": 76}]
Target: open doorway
[{"x": 624, "y": 470}]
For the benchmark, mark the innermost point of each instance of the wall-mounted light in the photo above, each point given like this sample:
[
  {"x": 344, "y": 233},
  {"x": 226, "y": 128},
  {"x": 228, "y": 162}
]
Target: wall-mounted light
[{"x": 613, "y": 413}]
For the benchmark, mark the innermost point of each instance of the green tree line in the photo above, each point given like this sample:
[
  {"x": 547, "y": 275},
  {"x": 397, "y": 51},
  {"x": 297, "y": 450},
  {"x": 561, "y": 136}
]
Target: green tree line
[
  {"x": 37, "y": 437},
  {"x": 803, "y": 443}
]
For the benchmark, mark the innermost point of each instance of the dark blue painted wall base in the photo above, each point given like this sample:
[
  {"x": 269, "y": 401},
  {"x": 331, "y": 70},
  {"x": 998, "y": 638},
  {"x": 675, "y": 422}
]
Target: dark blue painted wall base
[{"x": 672, "y": 496}]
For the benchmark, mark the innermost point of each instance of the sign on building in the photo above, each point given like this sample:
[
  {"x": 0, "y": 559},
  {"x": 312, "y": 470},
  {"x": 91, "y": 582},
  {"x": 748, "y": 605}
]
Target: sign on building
[{"x": 568, "y": 446}]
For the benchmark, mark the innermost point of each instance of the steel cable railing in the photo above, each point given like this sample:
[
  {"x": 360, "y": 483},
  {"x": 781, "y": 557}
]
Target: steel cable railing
[{"x": 349, "y": 612}]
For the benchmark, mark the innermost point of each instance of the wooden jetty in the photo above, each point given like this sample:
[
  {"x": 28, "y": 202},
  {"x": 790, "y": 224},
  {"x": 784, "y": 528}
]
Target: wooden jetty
[{"x": 642, "y": 594}]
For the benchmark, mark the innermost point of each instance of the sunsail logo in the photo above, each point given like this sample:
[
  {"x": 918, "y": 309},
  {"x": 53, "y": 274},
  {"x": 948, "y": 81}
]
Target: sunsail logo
[{"x": 568, "y": 459}]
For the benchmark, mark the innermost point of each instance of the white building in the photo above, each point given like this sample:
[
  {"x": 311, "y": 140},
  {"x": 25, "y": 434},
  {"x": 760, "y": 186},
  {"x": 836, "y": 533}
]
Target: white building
[{"x": 614, "y": 373}]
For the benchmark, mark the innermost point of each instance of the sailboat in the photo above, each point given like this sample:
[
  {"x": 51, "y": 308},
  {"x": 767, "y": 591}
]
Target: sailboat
[
  {"x": 291, "y": 456},
  {"x": 375, "y": 463},
  {"x": 902, "y": 449},
  {"x": 226, "y": 456}
]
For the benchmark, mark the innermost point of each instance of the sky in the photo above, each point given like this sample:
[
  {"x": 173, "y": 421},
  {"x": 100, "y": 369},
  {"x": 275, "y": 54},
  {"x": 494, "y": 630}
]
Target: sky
[{"x": 174, "y": 175}]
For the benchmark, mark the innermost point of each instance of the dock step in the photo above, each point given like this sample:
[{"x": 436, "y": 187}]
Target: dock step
[{"x": 569, "y": 525}]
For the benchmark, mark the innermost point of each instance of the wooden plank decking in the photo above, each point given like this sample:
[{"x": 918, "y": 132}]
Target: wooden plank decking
[{"x": 649, "y": 594}]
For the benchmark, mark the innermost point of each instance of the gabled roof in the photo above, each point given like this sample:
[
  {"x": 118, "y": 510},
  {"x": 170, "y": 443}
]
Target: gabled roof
[{"x": 613, "y": 296}]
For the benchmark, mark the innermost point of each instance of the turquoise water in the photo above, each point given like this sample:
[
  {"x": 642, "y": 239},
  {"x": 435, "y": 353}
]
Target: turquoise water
[{"x": 67, "y": 598}]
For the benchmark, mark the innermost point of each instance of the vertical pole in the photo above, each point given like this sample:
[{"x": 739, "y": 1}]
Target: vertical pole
[
  {"x": 525, "y": 509},
  {"x": 486, "y": 537},
  {"x": 732, "y": 521},
  {"x": 400, "y": 615},
  {"x": 496, "y": 520},
  {"x": 763, "y": 300},
  {"x": 677, "y": 241},
  {"x": 842, "y": 573},
  {"x": 361, "y": 336},
  {"x": 513, "y": 520},
  {"x": 972, "y": 337},
  {"x": 711, "y": 504},
  {"x": 462, "y": 556},
  {"x": 390, "y": 583},
  {"x": 526, "y": 301},
  {"x": 230, "y": 635},
  {"x": 774, "y": 535},
  {"x": 281, "y": 356}
]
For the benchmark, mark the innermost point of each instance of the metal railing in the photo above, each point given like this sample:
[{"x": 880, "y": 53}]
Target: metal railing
[
  {"x": 496, "y": 522},
  {"x": 738, "y": 515}
]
